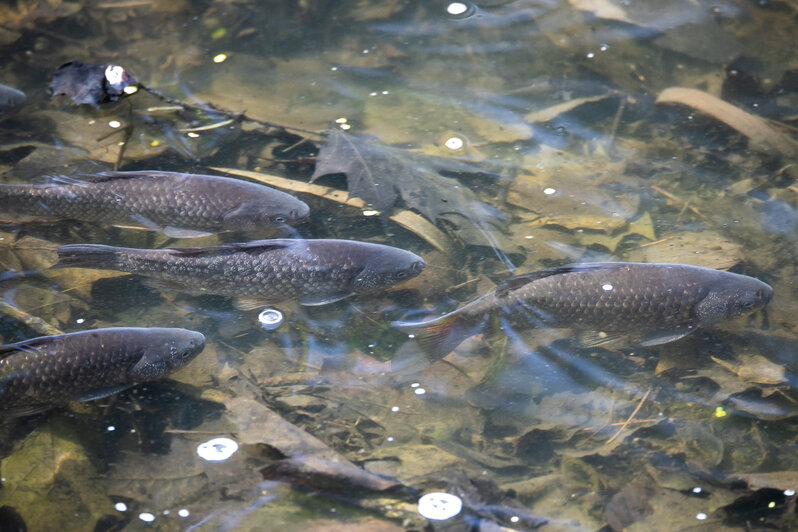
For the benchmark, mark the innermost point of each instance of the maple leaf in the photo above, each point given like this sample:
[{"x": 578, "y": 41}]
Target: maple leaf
[{"x": 380, "y": 175}]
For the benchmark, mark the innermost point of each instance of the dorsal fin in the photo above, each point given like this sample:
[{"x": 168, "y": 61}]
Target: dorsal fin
[
  {"x": 521, "y": 280},
  {"x": 32, "y": 346},
  {"x": 256, "y": 246},
  {"x": 103, "y": 177}
]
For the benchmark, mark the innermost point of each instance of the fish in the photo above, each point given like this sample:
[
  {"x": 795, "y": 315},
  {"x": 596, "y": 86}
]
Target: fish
[
  {"x": 42, "y": 373},
  {"x": 177, "y": 204},
  {"x": 262, "y": 272},
  {"x": 606, "y": 302},
  {"x": 11, "y": 100}
]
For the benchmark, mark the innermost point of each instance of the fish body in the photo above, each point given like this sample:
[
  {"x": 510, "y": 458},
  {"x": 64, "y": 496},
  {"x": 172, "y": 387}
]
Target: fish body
[
  {"x": 177, "y": 204},
  {"x": 648, "y": 303},
  {"x": 313, "y": 272},
  {"x": 43, "y": 372}
]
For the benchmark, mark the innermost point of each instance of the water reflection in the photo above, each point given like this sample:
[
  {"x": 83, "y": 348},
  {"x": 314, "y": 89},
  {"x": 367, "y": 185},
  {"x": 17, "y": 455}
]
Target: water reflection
[{"x": 555, "y": 102}]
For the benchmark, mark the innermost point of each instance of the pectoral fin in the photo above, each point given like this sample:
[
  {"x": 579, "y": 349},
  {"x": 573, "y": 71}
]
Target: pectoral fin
[
  {"x": 29, "y": 410},
  {"x": 600, "y": 338},
  {"x": 101, "y": 392},
  {"x": 665, "y": 336},
  {"x": 251, "y": 303},
  {"x": 182, "y": 232},
  {"x": 322, "y": 299}
]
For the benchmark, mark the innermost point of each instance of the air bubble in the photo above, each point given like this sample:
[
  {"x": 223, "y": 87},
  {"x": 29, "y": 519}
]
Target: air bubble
[
  {"x": 439, "y": 506},
  {"x": 217, "y": 449},
  {"x": 147, "y": 517},
  {"x": 120, "y": 507},
  {"x": 270, "y": 318},
  {"x": 454, "y": 143}
]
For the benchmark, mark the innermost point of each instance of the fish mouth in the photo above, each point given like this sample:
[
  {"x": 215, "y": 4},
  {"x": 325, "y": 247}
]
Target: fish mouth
[
  {"x": 300, "y": 213},
  {"x": 418, "y": 267}
]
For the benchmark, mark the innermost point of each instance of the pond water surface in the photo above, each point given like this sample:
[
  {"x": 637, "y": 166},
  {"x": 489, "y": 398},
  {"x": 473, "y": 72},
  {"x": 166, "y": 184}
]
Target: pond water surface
[{"x": 518, "y": 135}]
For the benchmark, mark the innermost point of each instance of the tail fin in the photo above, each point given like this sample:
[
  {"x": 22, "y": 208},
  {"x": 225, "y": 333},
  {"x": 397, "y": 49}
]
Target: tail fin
[
  {"x": 440, "y": 336},
  {"x": 94, "y": 256}
]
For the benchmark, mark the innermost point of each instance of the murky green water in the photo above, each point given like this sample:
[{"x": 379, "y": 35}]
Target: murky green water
[{"x": 545, "y": 133}]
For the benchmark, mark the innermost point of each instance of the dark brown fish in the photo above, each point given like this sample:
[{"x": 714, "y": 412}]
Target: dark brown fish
[
  {"x": 313, "y": 272},
  {"x": 179, "y": 205},
  {"x": 40, "y": 373},
  {"x": 649, "y": 304}
]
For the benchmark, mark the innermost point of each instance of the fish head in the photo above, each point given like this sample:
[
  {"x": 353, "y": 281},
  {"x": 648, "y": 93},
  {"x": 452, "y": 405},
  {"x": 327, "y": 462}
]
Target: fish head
[
  {"x": 732, "y": 298},
  {"x": 386, "y": 268},
  {"x": 266, "y": 212},
  {"x": 166, "y": 351}
]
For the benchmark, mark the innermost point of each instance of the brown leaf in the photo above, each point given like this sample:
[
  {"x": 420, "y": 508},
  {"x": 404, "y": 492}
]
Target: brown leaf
[{"x": 761, "y": 135}]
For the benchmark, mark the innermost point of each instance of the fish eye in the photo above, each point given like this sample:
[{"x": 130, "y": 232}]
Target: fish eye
[
  {"x": 748, "y": 304},
  {"x": 279, "y": 218},
  {"x": 185, "y": 354},
  {"x": 401, "y": 275}
]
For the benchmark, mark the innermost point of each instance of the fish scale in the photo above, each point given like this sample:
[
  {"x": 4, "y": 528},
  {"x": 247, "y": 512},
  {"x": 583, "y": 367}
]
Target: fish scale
[
  {"x": 165, "y": 201},
  {"x": 43, "y": 372},
  {"x": 267, "y": 271},
  {"x": 650, "y": 304}
]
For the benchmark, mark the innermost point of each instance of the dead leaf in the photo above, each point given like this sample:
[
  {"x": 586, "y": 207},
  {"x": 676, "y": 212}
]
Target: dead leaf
[
  {"x": 380, "y": 174},
  {"x": 702, "y": 248},
  {"x": 756, "y": 369},
  {"x": 601, "y": 9},
  {"x": 761, "y": 135}
]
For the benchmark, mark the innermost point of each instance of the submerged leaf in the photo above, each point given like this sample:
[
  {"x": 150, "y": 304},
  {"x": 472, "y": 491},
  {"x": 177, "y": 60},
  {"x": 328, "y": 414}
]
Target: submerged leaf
[
  {"x": 761, "y": 135},
  {"x": 381, "y": 174},
  {"x": 91, "y": 84}
]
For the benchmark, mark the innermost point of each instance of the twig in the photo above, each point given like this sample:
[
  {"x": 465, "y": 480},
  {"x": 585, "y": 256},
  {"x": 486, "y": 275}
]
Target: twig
[
  {"x": 639, "y": 405},
  {"x": 37, "y": 324},
  {"x": 677, "y": 202},
  {"x": 653, "y": 243},
  {"x": 615, "y": 123}
]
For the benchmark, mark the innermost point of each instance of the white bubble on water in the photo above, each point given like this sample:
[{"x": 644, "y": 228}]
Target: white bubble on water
[
  {"x": 270, "y": 318},
  {"x": 183, "y": 512},
  {"x": 439, "y": 506},
  {"x": 120, "y": 507},
  {"x": 454, "y": 143},
  {"x": 147, "y": 517},
  {"x": 217, "y": 449},
  {"x": 456, "y": 8}
]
